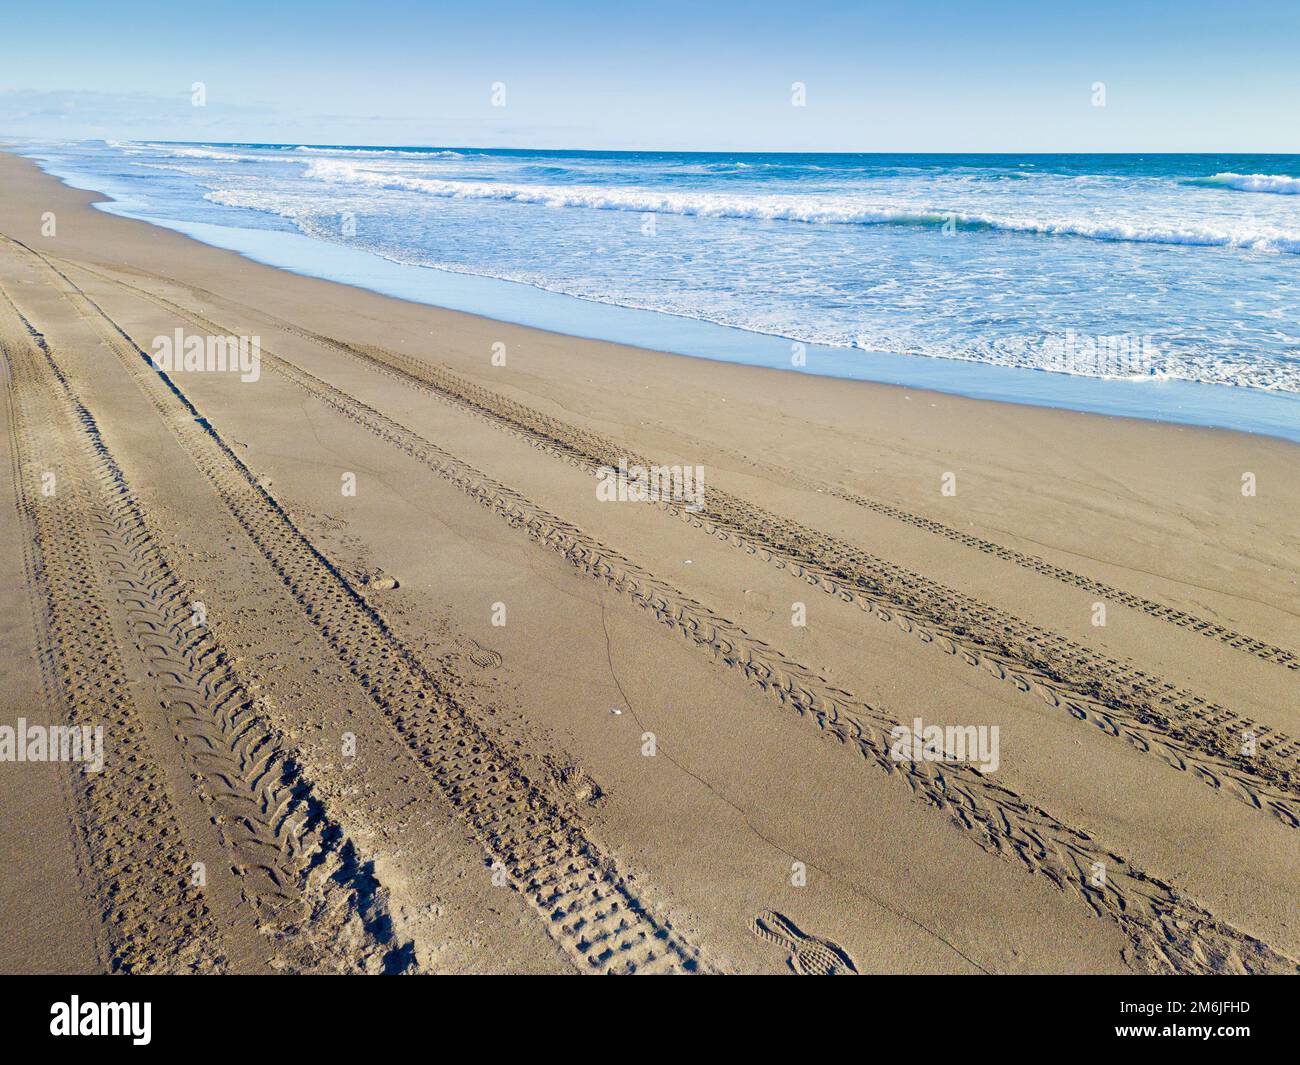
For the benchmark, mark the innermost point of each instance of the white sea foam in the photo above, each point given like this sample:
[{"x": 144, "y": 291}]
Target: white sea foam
[
  {"x": 785, "y": 257},
  {"x": 1277, "y": 184},
  {"x": 1187, "y": 362},
  {"x": 181, "y": 151},
  {"x": 440, "y": 154},
  {"x": 812, "y": 209}
]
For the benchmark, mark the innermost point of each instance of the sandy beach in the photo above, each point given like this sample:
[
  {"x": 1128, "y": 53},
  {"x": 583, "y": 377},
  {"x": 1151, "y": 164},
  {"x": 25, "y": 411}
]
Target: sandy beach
[{"x": 388, "y": 684}]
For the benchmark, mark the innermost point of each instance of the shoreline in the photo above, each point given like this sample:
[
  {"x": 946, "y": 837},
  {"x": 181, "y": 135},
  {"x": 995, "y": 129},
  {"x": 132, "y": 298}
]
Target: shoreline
[
  {"x": 962, "y": 424},
  {"x": 397, "y": 540},
  {"x": 1167, "y": 401}
]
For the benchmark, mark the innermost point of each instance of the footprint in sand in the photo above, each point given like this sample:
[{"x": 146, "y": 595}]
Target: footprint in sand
[
  {"x": 759, "y": 602},
  {"x": 483, "y": 657},
  {"x": 809, "y": 956}
]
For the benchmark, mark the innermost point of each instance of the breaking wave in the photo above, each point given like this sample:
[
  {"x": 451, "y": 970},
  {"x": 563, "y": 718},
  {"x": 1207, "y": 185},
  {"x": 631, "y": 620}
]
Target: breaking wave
[
  {"x": 811, "y": 209},
  {"x": 1277, "y": 184}
]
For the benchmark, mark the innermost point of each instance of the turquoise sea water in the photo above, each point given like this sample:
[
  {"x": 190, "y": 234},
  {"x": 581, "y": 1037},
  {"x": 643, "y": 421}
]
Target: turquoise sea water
[{"x": 1154, "y": 286}]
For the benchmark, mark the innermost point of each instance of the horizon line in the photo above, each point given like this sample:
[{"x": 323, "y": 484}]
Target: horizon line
[{"x": 664, "y": 151}]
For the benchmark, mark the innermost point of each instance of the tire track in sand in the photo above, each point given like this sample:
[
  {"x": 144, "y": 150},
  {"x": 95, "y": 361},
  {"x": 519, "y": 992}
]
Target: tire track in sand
[
  {"x": 588, "y": 906},
  {"x": 461, "y": 388},
  {"x": 135, "y": 861},
  {"x": 1166, "y": 931},
  {"x": 1161, "y": 611},
  {"x": 1181, "y": 729},
  {"x": 288, "y": 857}
]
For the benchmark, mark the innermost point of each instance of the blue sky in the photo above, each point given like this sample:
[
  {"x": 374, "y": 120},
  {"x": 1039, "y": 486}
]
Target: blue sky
[{"x": 937, "y": 76}]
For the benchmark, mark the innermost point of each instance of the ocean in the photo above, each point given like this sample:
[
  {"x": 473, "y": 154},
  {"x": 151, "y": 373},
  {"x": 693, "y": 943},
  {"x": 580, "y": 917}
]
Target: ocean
[{"x": 1161, "y": 286}]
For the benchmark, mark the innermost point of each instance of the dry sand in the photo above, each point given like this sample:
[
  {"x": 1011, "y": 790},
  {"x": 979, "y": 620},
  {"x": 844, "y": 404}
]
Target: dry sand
[{"x": 342, "y": 762}]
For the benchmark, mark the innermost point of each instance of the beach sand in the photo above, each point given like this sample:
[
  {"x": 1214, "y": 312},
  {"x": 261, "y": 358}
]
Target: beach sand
[{"x": 386, "y": 686}]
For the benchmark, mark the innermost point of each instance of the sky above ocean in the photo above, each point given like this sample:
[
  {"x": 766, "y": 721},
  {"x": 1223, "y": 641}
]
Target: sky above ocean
[{"x": 947, "y": 75}]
